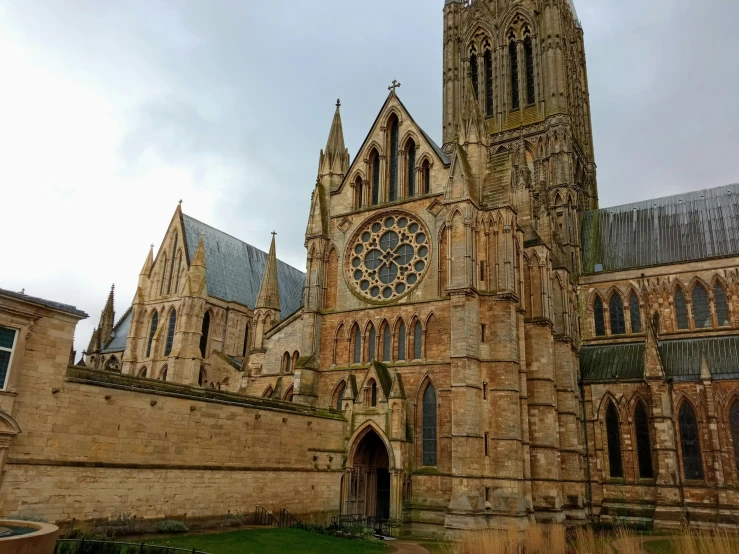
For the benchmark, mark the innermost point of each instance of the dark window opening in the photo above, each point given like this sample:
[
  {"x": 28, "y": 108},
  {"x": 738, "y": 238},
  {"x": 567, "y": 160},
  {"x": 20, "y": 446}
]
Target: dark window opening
[
  {"x": 170, "y": 333},
  {"x": 426, "y": 170},
  {"x": 429, "y": 426},
  {"x": 394, "y": 131},
  {"x": 357, "y": 346},
  {"x": 204, "y": 334},
  {"x": 600, "y": 327},
  {"x": 643, "y": 447},
  {"x": 722, "y": 307},
  {"x": 417, "y": 341},
  {"x": 635, "y": 313},
  {"x": 386, "y": 344},
  {"x": 734, "y": 420},
  {"x": 473, "y": 74},
  {"x": 482, "y": 332},
  {"x": 701, "y": 310},
  {"x": 486, "y": 444},
  {"x": 530, "y": 85},
  {"x": 513, "y": 56},
  {"x": 401, "y": 342},
  {"x": 690, "y": 442},
  {"x": 614, "y": 442},
  {"x": 488, "y": 68},
  {"x": 411, "y": 168},
  {"x": 618, "y": 325},
  {"x": 152, "y": 331},
  {"x": 681, "y": 310},
  {"x": 375, "y": 167},
  {"x": 371, "y": 345},
  {"x": 373, "y": 392}
]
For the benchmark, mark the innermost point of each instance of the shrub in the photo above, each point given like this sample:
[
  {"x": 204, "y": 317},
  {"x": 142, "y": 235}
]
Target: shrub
[{"x": 172, "y": 526}]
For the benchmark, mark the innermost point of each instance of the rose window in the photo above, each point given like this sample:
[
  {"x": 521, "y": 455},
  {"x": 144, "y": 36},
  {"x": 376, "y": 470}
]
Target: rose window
[{"x": 388, "y": 257}]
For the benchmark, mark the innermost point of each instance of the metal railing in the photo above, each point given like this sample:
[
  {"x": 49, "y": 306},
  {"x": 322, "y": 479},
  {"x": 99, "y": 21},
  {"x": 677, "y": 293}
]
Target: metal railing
[
  {"x": 87, "y": 546},
  {"x": 381, "y": 527},
  {"x": 287, "y": 519},
  {"x": 263, "y": 517}
]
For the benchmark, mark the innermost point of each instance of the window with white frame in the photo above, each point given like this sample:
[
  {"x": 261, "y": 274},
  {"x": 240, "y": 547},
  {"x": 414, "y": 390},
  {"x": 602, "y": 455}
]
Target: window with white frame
[{"x": 7, "y": 344}]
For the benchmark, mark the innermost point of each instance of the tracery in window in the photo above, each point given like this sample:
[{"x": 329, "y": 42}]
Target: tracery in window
[
  {"x": 488, "y": 69},
  {"x": 152, "y": 330},
  {"x": 614, "y": 441},
  {"x": 681, "y": 310},
  {"x": 170, "y": 333},
  {"x": 616, "y": 312},
  {"x": 722, "y": 306},
  {"x": 411, "y": 153},
  {"x": 375, "y": 169},
  {"x": 393, "y": 184},
  {"x": 701, "y": 310},
  {"x": 634, "y": 313},
  {"x": 429, "y": 426},
  {"x": 513, "y": 61},
  {"x": 600, "y": 326},
  {"x": 643, "y": 446},
  {"x": 690, "y": 442}
]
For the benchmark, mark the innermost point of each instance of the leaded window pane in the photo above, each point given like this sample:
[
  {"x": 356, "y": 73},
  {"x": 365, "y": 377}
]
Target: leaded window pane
[
  {"x": 474, "y": 74},
  {"x": 152, "y": 331},
  {"x": 357, "y": 346},
  {"x": 7, "y": 337},
  {"x": 643, "y": 447},
  {"x": 734, "y": 419},
  {"x": 488, "y": 68},
  {"x": 204, "y": 330},
  {"x": 386, "y": 344},
  {"x": 701, "y": 310},
  {"x": 722, "y": 307},
  {"x": 614, "y": 441},
  {"x": 690, "y": 443},
  {"x": 429, "y": 426},
  {"x": 600, "y": 326},
  {"x": 4, "y": 365},
  {"x": 393, "y": 193},
  {"x": 513, "y": 55},
  {"x": 371, "y": 345},
  {"x": 618, "y": 325},
  {"x": 401, "y": 342},
  {"x": 417, "y": 341},
  {"x": 170, "y": 333},
  {"x": 411, "y": 168},
  {"x": 635, "y": 313},
  {"x": 681, "y": 310},
  {"x": 529, "y": 54}
]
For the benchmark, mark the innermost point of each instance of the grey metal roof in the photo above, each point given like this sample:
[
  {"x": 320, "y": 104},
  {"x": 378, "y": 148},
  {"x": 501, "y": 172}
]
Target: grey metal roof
[
  {"x": 446, "y": 160},
  {"x": 120, "y": 334},
  {"x": 681, "y": 228},
  {"x": 234, "y": 268},
  {"x": 682, "y": 359},
  {"x": 42, "y": 302}
]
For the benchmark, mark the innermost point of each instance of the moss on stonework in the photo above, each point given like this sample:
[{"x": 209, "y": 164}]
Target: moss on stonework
[{"x": 427, "y": 470}]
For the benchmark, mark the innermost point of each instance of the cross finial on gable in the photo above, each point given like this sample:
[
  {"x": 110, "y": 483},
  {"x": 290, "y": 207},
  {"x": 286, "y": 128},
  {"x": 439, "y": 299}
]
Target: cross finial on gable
[
  {"x": 274, "y": 233},
  {"x": 338, "y": 102},
  {"x": 180, "y": 202},
  {"x": 395, "y": 85}
]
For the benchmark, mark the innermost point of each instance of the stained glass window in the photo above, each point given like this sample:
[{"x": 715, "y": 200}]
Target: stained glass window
[
  {"x": 411, "y": 168},
  {"x": 635, "y": 313},
  {"x": 488, "y": 68},
  {"x": 205, "y": 329},
  {"x": 7, "y": 344},
  {"x": 386, "y": 344},
  {"x": 722, "y": 307},
  {"x": 393, "y": 192},
  {"x": 417, "y": 341},
  {"x": 643, "y": 447},
  {"x": 681, "y": 310},
  {"x": 600, "y": 326},
  {"x": 429, "y": 426},
  {"x": 690, "y": 441},
  {"x": 152, "y": 330},
  {"x": 170, "y": 332},
  {"x": 371, "y": 345},
  {"x": 614, "y": 441},
  {"x": 530, "y": 85},
  {"x": 474, "y": 74},
  {"x": 701, "y": 310},
  {"x": 401, "y": 342},
  {"x": 357, "y": 346},
  {"x": 375, "y": 165},
  {"x": 513, "y": 55},
  {"x": 618, "y": 326},
  {"x": 734, "y": 420}
]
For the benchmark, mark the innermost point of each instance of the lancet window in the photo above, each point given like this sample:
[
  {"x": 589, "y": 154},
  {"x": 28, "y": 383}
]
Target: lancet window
[
  {"x": 411, "y": 157},
  {"x": 429, "y": 426},
  {"x": 643, "y": 446},
  {"x": 635, "y": 313},
  {"x": 681, "y": 310},
  {"x": 152, "y": 330},
  {"x": 600, "y": 327},
  {"x": 690, "y": 443},
  {"x": 722, "y": 307},
  {"x": 701, "y": 310},
  {"x": 394, "y": 138},
  {"x": 616, "y": 312},
  {"x": 170, "y": 332},
  {"x": 614, "y": 442}
]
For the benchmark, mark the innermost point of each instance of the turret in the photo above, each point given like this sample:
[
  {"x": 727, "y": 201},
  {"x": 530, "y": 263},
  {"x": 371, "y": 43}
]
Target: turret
[
  {"x": 267, "y": 309},
  {"x": 107, "y": 319}
]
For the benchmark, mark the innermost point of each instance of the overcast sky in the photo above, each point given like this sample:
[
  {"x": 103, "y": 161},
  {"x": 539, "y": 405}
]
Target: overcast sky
[{"x": 112, "y": 111}]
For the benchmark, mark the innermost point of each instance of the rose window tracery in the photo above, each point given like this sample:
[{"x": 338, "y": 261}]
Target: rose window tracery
[{"x": 388, "y": 256}]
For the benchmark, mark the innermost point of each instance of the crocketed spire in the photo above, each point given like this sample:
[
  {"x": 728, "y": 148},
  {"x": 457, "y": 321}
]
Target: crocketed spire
[{"x": 269, "y": 292}]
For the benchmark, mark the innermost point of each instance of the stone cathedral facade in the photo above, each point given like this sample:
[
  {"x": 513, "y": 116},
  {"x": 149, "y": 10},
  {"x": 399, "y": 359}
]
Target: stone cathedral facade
[{"x": 501, "y": 350}]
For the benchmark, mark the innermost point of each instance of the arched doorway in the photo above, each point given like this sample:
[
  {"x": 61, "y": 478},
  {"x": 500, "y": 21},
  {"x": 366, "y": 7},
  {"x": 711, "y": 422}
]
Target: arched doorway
[{"x": 366, "y": 484}]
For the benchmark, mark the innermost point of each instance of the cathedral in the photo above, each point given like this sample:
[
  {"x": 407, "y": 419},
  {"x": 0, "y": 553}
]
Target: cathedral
[{"x": 499, "y": 349}]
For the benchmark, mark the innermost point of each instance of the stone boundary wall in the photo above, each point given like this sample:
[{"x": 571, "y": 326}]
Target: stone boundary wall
[{"x": 102, "y": 445}]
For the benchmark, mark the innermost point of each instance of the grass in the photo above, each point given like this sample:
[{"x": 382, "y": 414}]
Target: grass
[
  {"x": 272, "y": 541},
  {"x": 663, "y": 546}
]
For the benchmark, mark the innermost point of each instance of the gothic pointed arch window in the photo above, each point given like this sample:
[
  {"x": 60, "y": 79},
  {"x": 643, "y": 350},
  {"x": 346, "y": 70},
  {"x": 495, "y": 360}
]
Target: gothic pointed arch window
[
  {"x": 487, "y": 63},
  {"x": 616, "y": 312},
  {"x": 401, "y": 342},
  {"x": 164, "y": 275},
  {"x": 143, "y": 372},
  {"x": 513, "y": 63},
  {"x": 204, "y": 332},
  {"x": 359, "y": 192},
  {"x": 635, "y": 313},
  {"x": 734, "y": 421},
  {"x": 394, "y": 139},
  {"x": 375, "y": 169},
  {"x": 528, "y": 52},
  {"x": 722, "y": 306},
  {"x": 339, "y": 395},
  {"x": 429, "y": 426},
  {"x": 179, "y": 269},
  {"x": 171, "y": 264},
  {"x": 425, "y": 177},
  {"x": 246, "y": 340},
  {"x": 372, "y": 339},
  {"x": 701, "y": 309},
  {"x": 170, "y": 332},
  {"x": 201, "y": 376},
  {"x": 357, "y": 345},
  {"x": 474, "y": 74},
  {"x": 600, "y": 326},
  {"x": 152, "y": 331},
  {"x": 411, "y": 154},
  {"x": 690, "y": 443},
  {"x": 372, "y": 393},
  {"x": 681, "y": 310},
  {"x": 386, "y": 343},
  {"x": 417, "y": 340},
  {"x": 286, "y": 362},
  {"x": 643, "y": 446},
  {"x": 613, "y": 434}
]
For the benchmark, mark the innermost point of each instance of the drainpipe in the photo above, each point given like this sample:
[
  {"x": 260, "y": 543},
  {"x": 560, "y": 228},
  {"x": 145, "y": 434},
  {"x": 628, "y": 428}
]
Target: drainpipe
[{"x": 589, "y": 484}]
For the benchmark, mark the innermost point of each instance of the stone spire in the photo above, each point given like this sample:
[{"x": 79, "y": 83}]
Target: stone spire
[
  {"x": 269, "y": 292},
  {"x": 146, "y": 270},
  {"x": 334, "y": 160},
  {"x": 196, "y": 283},
  {"x": 107, "y": 319},
  {"x": 94, "y": 342}
]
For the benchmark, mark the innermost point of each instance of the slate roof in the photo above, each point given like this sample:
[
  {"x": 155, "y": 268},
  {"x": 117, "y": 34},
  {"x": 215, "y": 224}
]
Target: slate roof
[
  {"x": 120, "y": 334},
  {"x": 675, "y": 229},
  {"x": 234, "y": 268},
  {"x": 682, "y": 359},
  {"x": 42, "y": 302}
]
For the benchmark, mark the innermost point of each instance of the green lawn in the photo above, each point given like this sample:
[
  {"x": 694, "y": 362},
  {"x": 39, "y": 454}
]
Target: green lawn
[{"x": 272, "y": 541}]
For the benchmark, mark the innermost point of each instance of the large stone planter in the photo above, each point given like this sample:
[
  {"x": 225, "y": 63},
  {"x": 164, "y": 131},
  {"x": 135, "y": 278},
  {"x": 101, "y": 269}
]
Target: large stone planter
[{"x": 41, "y": 540}]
